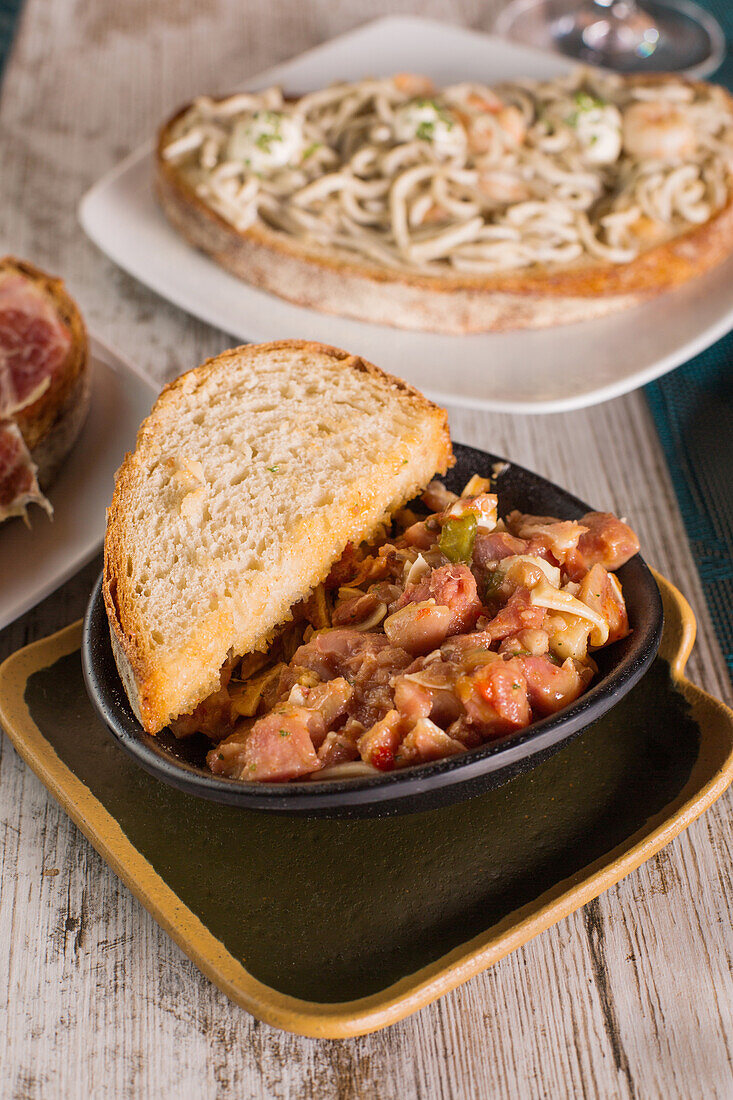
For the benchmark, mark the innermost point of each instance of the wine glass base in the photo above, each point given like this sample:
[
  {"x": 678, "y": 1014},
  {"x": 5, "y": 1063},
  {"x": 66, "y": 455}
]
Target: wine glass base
[{"x": 689, "y": 40}]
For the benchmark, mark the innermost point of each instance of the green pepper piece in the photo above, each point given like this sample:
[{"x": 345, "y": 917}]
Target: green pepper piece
[
  {"x": 493, "y": 583},
  {"x": 458, "y": 536}
]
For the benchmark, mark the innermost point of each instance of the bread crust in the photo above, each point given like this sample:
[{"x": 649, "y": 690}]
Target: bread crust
[
  {"x": 51, "y": 424},
  {"x": 454, "y": 303},
  {"x": 144, "y": 680}
]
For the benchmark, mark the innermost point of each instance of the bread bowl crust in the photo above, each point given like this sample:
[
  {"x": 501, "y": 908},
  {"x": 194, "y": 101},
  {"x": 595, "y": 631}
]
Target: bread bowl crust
[
  {"x": 51, "y": 424},
  {"x": 455, "y": 302},
  {"x": 145, "y": 682},
  {"x": 67, "y": 397}
]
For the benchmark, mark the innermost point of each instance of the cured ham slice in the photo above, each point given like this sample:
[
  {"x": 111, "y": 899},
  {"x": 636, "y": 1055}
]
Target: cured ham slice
[
  {"x": 278, "y": 747},
  {"x": 378, "y": 745},
  {"x": 340, "y": 747},
  {"x": 44, "y": 383},
  {"x": 34, "y": 343},
  {"x": 18, "y": 480},
  {"x": 451, "y": 586},
  {"x": 551, "y": 687},
  {"x": 519, "y": 613},
  {"x": 495, "y": 698},
  {"x": 426, "y": 742},
  {"x": 607, "y": 541},
  {"x": 601, "y": 591},
  {"x": 558, "y": 538},
  {"x": 493, "y": 547}
]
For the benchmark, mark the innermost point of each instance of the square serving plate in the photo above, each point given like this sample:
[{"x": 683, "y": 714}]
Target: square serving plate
[
  {"x": 552, "y": 370},
  {"x": 36, "y": 559},
  {"x": 336, "y": 927}
]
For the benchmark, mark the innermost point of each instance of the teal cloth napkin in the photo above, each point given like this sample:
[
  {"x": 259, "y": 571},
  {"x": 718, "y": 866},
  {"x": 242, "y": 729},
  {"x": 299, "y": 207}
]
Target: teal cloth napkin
[
  {"x": 692, "y": 409},
  {"x": 9, "y": 12}
]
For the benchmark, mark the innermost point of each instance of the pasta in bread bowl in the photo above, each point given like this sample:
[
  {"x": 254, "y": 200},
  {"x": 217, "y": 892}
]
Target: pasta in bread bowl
[{"x": 462, "y": 209}]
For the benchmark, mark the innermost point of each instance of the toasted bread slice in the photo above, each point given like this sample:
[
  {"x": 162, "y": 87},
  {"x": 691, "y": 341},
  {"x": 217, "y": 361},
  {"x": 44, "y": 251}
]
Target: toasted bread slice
[
  {"x": 250, "y": 476},
  {"x": 45, "y": 385},
  {"x": 332, "y": 281}
]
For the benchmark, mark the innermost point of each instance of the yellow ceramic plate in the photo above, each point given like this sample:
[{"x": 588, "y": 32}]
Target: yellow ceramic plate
[{"x": 334, "y": 928}]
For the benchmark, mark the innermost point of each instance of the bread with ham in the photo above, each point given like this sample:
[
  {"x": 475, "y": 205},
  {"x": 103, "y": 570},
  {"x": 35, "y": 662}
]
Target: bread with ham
[{"x": 44, "y": 383}]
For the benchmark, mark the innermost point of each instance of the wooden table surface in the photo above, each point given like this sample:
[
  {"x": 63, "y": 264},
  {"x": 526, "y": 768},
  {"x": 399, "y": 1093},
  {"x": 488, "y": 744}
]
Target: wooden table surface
[{"x": 630, "y": 997}]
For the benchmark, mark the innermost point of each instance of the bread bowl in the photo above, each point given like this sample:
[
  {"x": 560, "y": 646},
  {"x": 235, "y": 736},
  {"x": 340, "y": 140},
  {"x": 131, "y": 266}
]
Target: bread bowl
[{"x": 592, "y": 270}]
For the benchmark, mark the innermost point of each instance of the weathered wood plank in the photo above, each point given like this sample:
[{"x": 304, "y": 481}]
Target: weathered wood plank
[{"x": 629, "y": 998}]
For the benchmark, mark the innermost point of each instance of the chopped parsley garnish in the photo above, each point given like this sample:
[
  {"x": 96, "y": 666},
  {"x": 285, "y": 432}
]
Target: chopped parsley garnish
[
  {"x": 584, "y": 101},
  {"x": 265, "y": 141},
  {"x": 284, "y": 733},
  {"x": 425, "y": 130},
  {"x": 273, "y": 469},
  {"x": 311, "y": 150},
  {"x": 587, "y": 102}
]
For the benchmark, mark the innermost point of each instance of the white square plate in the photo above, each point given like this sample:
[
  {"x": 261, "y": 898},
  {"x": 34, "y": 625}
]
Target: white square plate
[
  {"x": 547, "y": 371},
  {"x": 37, "y": 559}
]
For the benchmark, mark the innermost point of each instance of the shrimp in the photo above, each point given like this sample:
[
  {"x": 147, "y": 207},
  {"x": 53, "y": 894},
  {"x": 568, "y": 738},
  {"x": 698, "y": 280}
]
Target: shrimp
[
  {"x": 482, "y": 129},
  {"x": 658, "y": 131},
  {"x": 413, "y": 84},
  {"x": 434, "y": 214},
  {"x": 486, "y": 115},
  {"x": 503, "y": 187}
]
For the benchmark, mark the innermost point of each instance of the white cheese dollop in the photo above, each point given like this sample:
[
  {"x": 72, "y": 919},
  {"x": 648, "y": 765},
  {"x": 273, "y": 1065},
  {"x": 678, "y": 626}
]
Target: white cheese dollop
[
  {"x": 597, "y": 126},
  {"x": 425, "y": 120},
  {"x": 266, "y": 141}
]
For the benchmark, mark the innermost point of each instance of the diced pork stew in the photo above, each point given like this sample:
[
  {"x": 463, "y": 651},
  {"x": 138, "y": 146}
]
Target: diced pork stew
[{"x": 452, "y": 629}]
